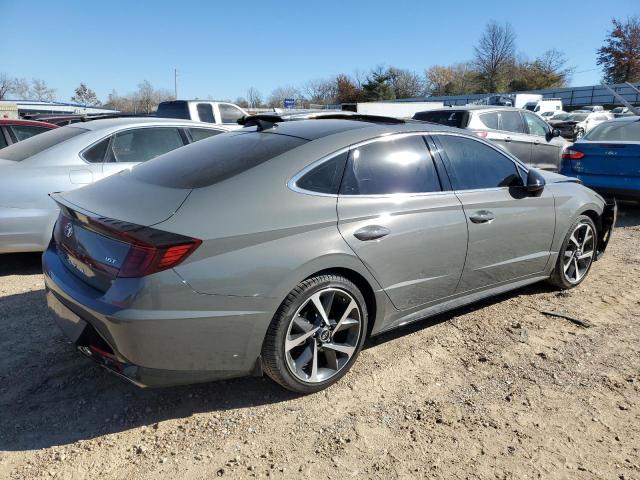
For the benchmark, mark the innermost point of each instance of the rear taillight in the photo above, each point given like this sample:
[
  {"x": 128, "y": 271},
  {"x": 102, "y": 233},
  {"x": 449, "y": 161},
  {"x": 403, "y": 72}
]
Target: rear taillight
[
  {"x": 482, "y": 133},
  {"x": 142, "y": 260},
  {"x": 570, "y": 154}
]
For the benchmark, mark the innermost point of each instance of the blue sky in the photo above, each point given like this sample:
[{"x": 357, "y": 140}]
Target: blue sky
[{"x": 222, "y": 48}]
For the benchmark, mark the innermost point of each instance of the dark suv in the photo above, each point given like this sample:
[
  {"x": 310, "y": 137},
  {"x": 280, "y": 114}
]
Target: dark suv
[{"x": 520, "y": 132}]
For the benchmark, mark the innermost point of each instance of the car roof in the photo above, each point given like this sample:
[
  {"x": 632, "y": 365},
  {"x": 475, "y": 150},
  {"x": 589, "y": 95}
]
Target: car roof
[
  {"x": 114, "y": 123},
  {"x": 463, "y": 108},
  {"x": 33, "y": 123},
  {"x": 356, "y": 129}
]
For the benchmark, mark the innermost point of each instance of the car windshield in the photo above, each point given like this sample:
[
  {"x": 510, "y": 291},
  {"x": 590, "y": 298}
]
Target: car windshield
[
  {"x": 39, "y": 143},
  {"x": 577, "y": 117},
  {"x": 615, "y": 131},
  {"x": 214, "y": 159}
]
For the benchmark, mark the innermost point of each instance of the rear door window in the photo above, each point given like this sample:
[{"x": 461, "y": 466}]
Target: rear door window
[
  {"x": 402, "y": 165},
  {"x": 511, "y": 122},
  {"x": 3, "y": 141},
  {"x": 205, "y": 112},
  {"x": 219, "y": 158},
  {"x": 39, "y": 143},
  {"x": 142, "y": 144},
  {"x": 97, "y": 153},
  {"x": 490, "y": 120},
  {"x": 474, "y": 165},
  {"x": 325, "y": 178}
]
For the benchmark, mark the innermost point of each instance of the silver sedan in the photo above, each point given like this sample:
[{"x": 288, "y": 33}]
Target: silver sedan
[
  {"x": 71, "y": 157},
  {"x": 281, "y": 247}
]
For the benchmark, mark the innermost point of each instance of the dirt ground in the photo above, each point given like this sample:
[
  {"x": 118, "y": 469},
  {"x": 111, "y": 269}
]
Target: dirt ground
[{"x": 493, "y": 391}]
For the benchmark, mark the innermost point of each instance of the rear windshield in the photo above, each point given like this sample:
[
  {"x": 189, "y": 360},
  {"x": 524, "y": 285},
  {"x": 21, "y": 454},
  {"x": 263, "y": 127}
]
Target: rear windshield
[
  {"x": 39, "y": 143},
  {"x": 444, "y": 117},
  {"x": 615, "y": 132},
  {"x": 214, "y": 159},
  {"x": 177, "y": 109},
  {"x": 577, "y": 117}
]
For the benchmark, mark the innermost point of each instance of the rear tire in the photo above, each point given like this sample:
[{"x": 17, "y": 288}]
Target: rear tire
[
  {"x": 306, "y": 350},
  {"x": 576, "y": 254}
]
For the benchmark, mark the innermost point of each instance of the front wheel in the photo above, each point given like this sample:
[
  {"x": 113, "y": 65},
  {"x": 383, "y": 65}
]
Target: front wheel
[
  {"x": 576, "y": 254},
  {"x": 316, "y": 334}
]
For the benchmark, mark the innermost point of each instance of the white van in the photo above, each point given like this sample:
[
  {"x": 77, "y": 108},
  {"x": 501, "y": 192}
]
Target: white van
[{"x": 202, "y": 111}]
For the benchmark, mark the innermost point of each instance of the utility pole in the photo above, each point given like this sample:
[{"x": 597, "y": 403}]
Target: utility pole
[{"x": 175, "y": 82}]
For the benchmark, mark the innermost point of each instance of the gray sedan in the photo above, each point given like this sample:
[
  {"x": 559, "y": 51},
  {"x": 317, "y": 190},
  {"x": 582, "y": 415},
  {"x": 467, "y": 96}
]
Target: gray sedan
[
  {"x": 73, "y": 156},
  {"x": 281, "y": 247}
]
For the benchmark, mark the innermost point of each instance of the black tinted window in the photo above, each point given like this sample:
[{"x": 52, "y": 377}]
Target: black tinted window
[
  {"x": 39, "y": 143},
  {"x": 176, "y": 109},
  {"x": 326, "y": 177},
  {"x": 3, "y": 141},
  {"x": 444, "y": 117},
  {"x": 511, "y": 122},
  {"x": 202, "y": 133},
  {"x": 472, "y": 164},
  {"x": 229, "y": 113},
  {"x": 403, "y": 165},
  {"x": 96, "y": 153},
  {"x": 215, "y": 159},
  {"x": 205, "y": 112},
  {"x": 490, "y": 120}
]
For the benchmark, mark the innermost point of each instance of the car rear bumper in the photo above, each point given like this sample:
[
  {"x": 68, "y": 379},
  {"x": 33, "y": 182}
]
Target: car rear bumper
[
  {"x": 620, "y": 187},
  {"x": 203, "y": 338}
]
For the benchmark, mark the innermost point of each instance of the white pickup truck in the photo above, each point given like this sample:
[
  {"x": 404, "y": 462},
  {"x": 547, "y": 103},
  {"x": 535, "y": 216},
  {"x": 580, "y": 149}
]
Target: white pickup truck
[{"x": 202, "y": 111}]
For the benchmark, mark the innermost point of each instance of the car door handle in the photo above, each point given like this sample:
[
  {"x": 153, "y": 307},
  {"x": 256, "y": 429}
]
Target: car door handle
[
  {"x": 371, "y": 232},
  {"x": 482, "y": 216},
  {"x": 507, "y": 139}
]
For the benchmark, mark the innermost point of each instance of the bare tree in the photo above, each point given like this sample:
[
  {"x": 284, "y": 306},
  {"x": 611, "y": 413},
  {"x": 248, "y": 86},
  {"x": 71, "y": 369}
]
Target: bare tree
[
  {"x": 20, "y": 88},
  {"x": 254, "y": 98},
  {"x": 40, "y": 91},
  {"x": 278, "y": 95},
  {"x": 85, "y": 96},
  {"x": 320, "y": 91},
  {"x": 405, "y": 83},
  {"x": 6, "y": 85},
  {"x": 241, "y": 102},
  {"x": 494, "y": 54},
  {"x": 439, "y": 79}
]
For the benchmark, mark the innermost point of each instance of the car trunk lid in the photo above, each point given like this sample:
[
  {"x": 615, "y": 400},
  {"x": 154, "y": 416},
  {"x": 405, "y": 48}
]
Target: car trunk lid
[{"x": 610, "y": 158}]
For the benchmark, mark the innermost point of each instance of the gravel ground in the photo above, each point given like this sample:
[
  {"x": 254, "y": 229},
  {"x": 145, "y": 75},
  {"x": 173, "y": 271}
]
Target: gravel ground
[{"x": 495, "y": 390}]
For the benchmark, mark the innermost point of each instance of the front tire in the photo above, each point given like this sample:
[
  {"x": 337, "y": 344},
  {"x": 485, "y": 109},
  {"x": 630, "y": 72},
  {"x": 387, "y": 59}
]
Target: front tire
[
  {"x": 576, "y": 254},
  {"x": 316, "y": 334}
]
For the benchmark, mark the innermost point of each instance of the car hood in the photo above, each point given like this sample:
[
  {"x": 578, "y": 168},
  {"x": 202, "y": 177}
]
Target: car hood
[
  {"x": 123, "y": 197},
  {"x": 6, "y": 163}
]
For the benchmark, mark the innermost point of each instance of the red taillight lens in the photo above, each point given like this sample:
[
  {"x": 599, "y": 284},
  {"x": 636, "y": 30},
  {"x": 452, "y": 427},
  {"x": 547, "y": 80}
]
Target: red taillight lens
[
  {"x": 150, "y": 250},
  {"x": 570, "y": 154},
  {"x": 482, "y": 133},
  {"x": 144, "y": 260}
]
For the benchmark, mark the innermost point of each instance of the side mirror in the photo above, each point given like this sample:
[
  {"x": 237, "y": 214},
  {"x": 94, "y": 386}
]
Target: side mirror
[
  {"x": 535, "y": 181},
  {"x": 555, "y": 132}
]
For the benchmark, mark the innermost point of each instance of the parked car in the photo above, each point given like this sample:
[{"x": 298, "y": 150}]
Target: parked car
[
  {"x": 578, "y": 123},
  {"x": 520, "y": 132},
  {"x": 70, "y": 157},
  {"x": 202, "y": 111},
  {"x": 557, "y": 118},
  {"x": 282, "y": 247},
  {"x": 607, "y": 159},
  {"x": 548, "y": 116},
  {"x": 14, "y": 131},
  {"x": 592, "y": 108}
]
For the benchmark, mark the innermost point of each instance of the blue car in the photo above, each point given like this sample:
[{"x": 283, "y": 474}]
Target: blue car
[{"x": 607, "y": 159}]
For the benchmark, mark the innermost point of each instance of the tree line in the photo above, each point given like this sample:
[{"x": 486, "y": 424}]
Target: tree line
[{"x": 496, "y": 67}]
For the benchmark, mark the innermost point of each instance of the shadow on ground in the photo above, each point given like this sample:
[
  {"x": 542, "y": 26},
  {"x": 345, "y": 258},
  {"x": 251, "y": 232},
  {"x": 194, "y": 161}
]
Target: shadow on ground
[
  {"x": 51, "y": 395},
  {"x": 628, "y": 215},
  {"x": 20, "y": 264}
]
